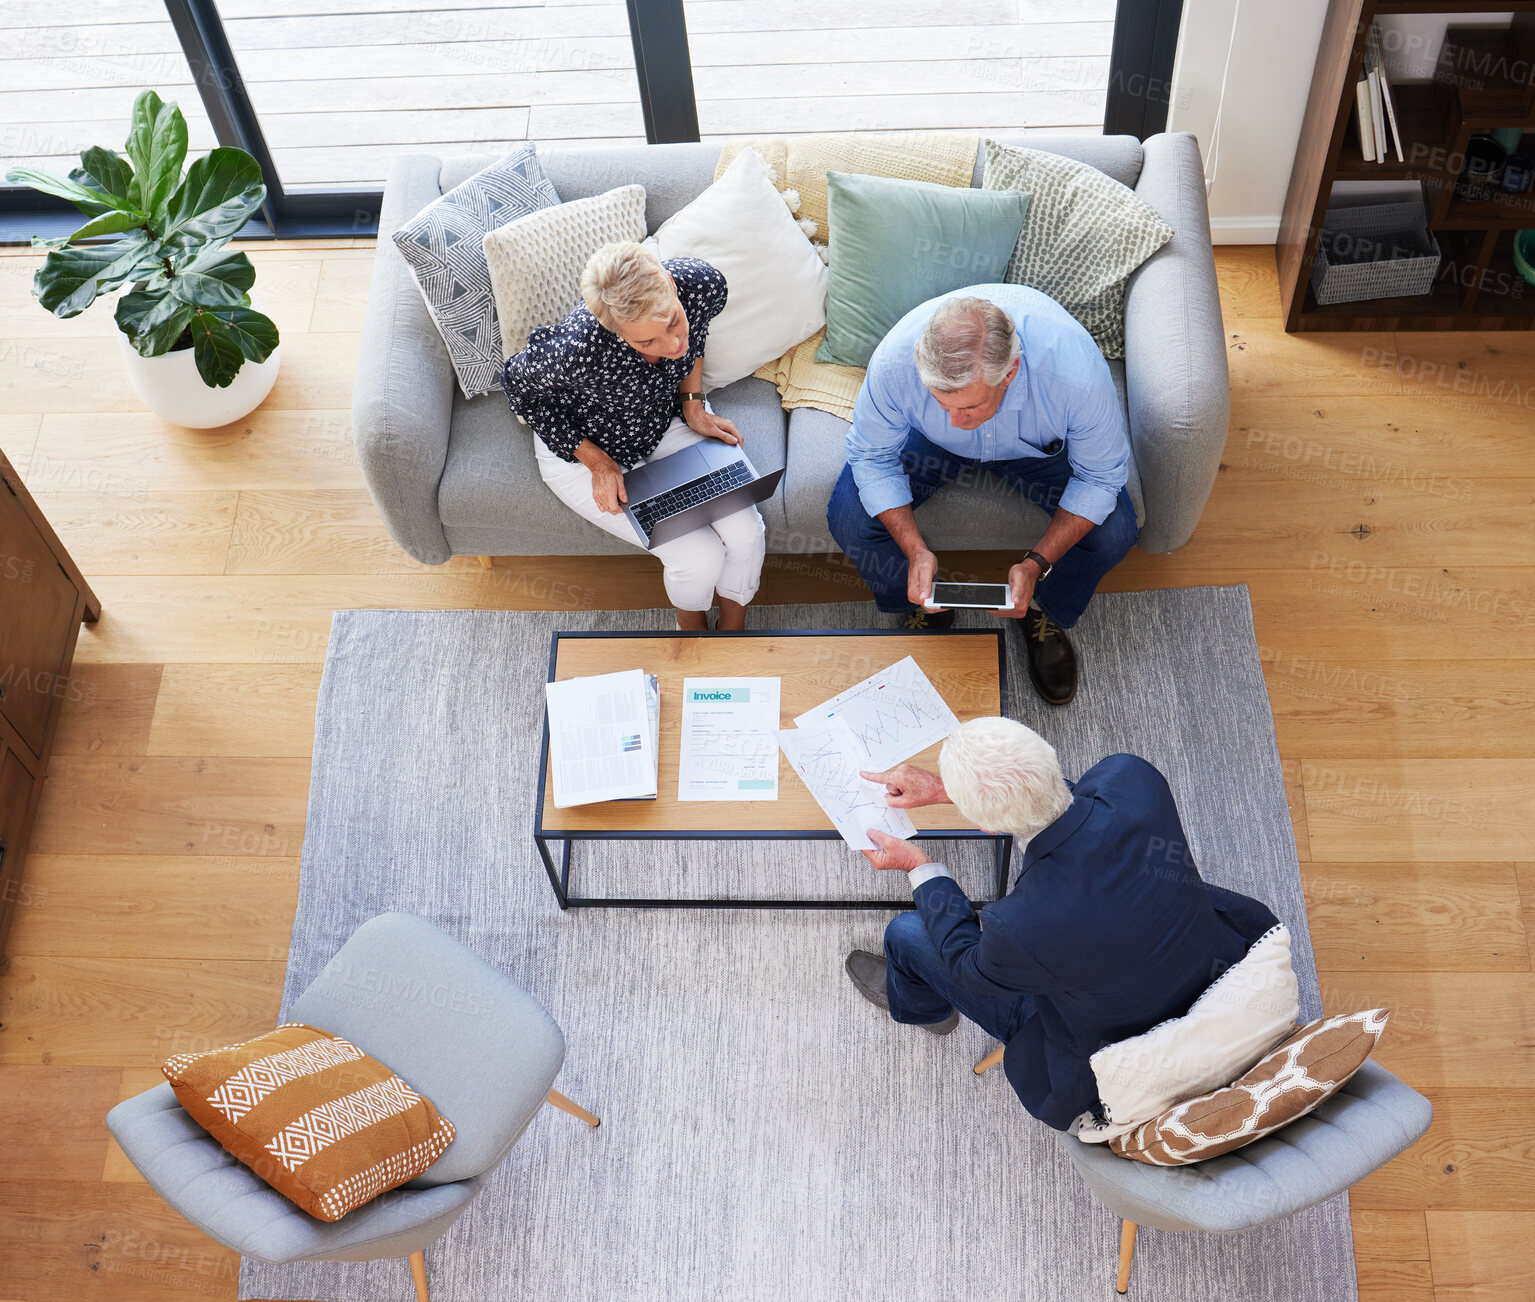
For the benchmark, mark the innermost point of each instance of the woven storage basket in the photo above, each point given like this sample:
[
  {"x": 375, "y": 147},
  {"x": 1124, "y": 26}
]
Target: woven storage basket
[{"x": 1348, "y": 282}]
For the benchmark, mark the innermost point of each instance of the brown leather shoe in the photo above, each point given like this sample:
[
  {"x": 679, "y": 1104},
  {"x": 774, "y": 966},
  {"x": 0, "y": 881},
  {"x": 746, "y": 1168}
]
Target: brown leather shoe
[{"x": 1052, "y": 662}]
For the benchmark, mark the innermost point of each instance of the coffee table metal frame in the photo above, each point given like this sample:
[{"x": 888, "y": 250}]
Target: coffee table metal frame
[{"x": 559, "y": 877}]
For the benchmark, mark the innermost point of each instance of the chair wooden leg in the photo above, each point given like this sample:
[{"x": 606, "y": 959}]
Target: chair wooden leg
[
  {"x": 1126, "y": 1252},
  {"x": 485, "y": 563},
  {"x": 418, "y": 1273},
  {"x": 990, "y": 1060},
  {"x": 575, "y": 1109}
]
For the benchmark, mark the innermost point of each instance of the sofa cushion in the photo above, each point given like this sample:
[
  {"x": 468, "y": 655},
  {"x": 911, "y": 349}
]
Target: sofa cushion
[
  {"x": 1285, "y": 1084},
  {"x": 989, "y": 516},
  {"x": 1084, "y": 235},
  {"x": 536, "y": 261},
  {"x": 493, "y": 502},
  {"x": 442, "y": 245},
  {"x": 742, "y": 228},
  {"x": 1119, "y": 157},
  {"x": 319, "y": 1120},
  {"x": 673, "y": 175},
  {"x": 894, "y": 244}
]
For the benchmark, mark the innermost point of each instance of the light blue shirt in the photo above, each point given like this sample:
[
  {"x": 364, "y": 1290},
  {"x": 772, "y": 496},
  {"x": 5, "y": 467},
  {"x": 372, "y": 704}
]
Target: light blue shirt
[{"x": 1063, "y": 390}]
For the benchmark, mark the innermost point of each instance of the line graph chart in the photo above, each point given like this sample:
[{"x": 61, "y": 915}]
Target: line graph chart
[
  {"x": 891, "y": 715},
  {"x": 828, "y": 758}
]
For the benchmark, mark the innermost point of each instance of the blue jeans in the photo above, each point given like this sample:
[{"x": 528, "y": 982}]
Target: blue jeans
[
  {"x": 918, "y": 990},
  {"x": 882, "y": 565}
]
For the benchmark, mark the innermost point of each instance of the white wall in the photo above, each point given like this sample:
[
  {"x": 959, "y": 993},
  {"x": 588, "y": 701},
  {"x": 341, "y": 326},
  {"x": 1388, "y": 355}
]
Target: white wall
[
  {"x": 1272, "y": 59},
  {"x": 1273, "y": 56}
]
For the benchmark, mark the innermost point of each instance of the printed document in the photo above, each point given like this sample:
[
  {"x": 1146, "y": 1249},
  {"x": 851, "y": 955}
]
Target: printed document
[
  {"x": 602, "y": 738},
  {"x": 729, "y": 739},
  {"x": 892, "y": 714},
  {"x": 827, "y": 757}
]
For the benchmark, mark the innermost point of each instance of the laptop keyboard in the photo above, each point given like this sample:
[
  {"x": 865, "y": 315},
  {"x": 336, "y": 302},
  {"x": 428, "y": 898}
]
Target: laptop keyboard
[{"x": 649, "y": 513}]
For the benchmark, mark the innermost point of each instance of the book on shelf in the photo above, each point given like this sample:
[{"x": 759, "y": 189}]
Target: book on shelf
[
  {"x": 1366, "y": 117},
  {"x": 1384, "y": 107}
]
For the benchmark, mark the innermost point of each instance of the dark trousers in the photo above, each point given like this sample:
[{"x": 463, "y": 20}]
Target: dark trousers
[
  {"x": 918, "y": 989},
  {"x": 882, "y": 565}
]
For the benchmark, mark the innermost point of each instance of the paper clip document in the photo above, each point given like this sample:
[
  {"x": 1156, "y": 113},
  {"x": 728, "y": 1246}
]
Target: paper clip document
[
  {"x": 892, "y": 714},
  {"x": 729, "y": 739},
  {"x": 828, "y": 758},
  {"x": 602, "y": 738}
]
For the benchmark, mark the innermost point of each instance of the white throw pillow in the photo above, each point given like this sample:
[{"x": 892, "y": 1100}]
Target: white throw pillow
[
  {"x": 536, "y": 261},
  {"x": 743, "y": 228},
  {"x": 1249, "y": 1008}
]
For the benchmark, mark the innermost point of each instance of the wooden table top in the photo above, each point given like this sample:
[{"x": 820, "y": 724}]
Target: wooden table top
[{"x": 964, "y": 665}]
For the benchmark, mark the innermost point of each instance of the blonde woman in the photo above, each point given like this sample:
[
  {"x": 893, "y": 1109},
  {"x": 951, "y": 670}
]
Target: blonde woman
[{"x": 620, "y": 381}]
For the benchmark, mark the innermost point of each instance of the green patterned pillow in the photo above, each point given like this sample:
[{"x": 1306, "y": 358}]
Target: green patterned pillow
[{"x": 1084, "y": 234}]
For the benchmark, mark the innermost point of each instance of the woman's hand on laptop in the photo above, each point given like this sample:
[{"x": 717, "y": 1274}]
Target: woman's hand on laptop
[
  {"x": 907, "y": 787},
  {"x": 608, "y": 487},
  {"x": 711, "y": 426}
]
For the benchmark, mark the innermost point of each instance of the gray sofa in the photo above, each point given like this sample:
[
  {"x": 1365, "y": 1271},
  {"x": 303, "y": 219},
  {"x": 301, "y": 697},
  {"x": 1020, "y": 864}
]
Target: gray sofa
[{"x": 454, "y": 476}]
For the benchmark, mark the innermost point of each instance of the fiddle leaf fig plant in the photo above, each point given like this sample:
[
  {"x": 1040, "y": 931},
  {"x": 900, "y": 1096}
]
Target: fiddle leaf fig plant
[{"x": 186, "y": 289}]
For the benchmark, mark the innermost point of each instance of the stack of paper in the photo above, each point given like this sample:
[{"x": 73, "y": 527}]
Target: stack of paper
[
  {"x": 604, "y": 737},
  {"x": 874, "y": 725}
]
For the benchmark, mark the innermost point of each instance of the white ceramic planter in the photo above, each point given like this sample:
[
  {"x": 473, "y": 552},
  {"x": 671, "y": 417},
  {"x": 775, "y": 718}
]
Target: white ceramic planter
[{"x": 170, "y": 386}]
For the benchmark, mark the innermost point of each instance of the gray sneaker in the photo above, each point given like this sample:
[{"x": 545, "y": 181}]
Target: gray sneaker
[{"x": 867, "y": 973}]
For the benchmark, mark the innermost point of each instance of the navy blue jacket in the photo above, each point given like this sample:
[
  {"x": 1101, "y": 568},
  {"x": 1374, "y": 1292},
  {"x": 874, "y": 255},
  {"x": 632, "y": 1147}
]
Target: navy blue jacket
[{"x": 1109, "y": 928}]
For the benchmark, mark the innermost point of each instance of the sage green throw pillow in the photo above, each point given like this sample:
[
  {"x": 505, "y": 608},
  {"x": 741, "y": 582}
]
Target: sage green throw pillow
[
  {"x": 1084, "y": 235},
  {"x": 894, "y": 244}
]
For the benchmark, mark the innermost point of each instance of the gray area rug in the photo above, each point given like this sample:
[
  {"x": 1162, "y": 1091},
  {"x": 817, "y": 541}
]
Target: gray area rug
[{"x": 766, "y": 1134}]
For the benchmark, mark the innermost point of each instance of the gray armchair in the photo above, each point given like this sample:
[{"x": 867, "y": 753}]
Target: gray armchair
[
  {"x": 487, "y": 1059},
  {"x": 456, "y": 476}
]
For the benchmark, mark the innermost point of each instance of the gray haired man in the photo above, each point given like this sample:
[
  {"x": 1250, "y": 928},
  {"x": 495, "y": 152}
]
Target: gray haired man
[{"x": 999, "y": 376}]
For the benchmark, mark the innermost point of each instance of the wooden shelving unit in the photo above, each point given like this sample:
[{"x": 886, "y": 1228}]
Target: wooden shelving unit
[{"x": 1486, "y": 79}]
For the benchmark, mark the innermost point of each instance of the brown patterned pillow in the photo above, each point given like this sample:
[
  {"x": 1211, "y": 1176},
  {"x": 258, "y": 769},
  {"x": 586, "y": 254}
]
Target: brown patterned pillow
[
  {"x": 311, "y": 1114},
  {"x": 1286, "y": 1083}
]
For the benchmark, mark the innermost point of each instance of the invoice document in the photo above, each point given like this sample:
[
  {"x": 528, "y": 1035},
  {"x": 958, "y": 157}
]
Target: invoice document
[
  {"x": 602, "y": 739},
  {"x": 729, "y": 739}
]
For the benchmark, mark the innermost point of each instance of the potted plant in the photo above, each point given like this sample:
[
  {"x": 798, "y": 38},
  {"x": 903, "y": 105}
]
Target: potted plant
[{"x": 198, "y": 352}]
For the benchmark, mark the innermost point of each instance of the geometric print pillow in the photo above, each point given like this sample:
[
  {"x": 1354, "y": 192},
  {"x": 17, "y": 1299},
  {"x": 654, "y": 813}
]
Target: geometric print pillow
[
  {"x": 1083, "y": 235},
  {"x": 1286, "y": 1083},
  {"x": 442, "y": 245},
  {"x": 310, "y": 1113}
]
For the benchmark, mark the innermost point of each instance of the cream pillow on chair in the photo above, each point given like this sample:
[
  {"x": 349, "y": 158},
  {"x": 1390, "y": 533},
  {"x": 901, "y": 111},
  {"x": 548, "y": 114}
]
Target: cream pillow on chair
[
  {"x": 742, "y": 227},
  {"x": 1246, "y": 1011},
  {"x": 536, "y": 261}
]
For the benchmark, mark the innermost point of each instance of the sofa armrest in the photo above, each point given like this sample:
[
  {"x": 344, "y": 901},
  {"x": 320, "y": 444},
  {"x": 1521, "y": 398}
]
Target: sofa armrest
[
  {"x": 402, "y": 402},
  {"x": 1176, "y": 380}
]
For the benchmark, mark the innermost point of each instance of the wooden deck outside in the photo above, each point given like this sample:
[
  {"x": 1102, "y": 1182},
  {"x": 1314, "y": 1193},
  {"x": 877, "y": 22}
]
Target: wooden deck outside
[{"x": 344, "y": 85}]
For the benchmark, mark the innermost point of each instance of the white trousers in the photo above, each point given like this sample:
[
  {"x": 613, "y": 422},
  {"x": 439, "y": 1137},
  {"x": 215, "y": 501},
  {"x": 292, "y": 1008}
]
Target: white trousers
[{"x": 724, "y": 557}]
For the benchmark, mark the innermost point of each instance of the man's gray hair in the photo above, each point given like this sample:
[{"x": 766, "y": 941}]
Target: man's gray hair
[
  {"x": 966, "y": 339},
  {"x": 1003, "y": 776}
]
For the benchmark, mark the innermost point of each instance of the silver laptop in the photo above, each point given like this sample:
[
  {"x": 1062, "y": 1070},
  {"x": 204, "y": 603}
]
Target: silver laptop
[{"x": 676, "y": 494}]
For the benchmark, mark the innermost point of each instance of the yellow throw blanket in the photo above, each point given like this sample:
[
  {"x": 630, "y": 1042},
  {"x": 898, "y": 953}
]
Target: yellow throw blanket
[{"x": 801, "y": 163}]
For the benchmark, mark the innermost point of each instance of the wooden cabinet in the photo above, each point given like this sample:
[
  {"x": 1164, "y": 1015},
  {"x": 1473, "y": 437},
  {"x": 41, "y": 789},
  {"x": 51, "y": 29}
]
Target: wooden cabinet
[{"x": 43, "y": 600}]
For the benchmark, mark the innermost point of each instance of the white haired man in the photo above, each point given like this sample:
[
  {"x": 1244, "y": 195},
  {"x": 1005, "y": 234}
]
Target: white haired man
[
  {"x": 1000, "y": 377},
  {"x": 1108, "y": 930}
]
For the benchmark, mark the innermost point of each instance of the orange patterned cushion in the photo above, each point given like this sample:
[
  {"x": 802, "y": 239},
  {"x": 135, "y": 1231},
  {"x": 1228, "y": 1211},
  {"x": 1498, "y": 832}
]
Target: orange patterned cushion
[
  {"x": 1286, "y": 1083},
  {"x": 312, "y": 1115}
]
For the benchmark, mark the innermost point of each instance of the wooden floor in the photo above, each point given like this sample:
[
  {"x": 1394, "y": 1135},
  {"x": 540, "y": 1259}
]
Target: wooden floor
[
  {"x": 342, "y": 86},
  {"x": 1377, "y": 496}
]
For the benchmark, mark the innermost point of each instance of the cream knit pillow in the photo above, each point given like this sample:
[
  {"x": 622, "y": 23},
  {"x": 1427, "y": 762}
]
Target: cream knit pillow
[{"x": 536, "y": 261}]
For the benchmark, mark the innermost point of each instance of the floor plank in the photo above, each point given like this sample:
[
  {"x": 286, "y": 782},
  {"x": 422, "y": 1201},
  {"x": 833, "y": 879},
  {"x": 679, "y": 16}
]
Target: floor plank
[
  {"x": 108, "y": 709},
  {"x": 1482, "y": 1257},
  {"x": 1415, "y": 917},
  {"x": 143, "y": 533},
  {"x": 51, "y": 1126},
  {"x": 236, "y": 710}
]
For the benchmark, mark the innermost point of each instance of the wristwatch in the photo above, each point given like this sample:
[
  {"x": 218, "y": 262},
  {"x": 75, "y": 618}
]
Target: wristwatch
[
  {"x": 1044, "y": 566},
  {"x": 696, "y": 395}
]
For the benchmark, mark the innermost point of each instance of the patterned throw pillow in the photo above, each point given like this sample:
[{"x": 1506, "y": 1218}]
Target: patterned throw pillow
[
  {"x": 536, "y": 261},
  {"x": 1288, "y": 1082},
  {"x": 442, "y": 245},
  {"x": 1084, "y": 234},
  {"x": 311, "y": 1114}
]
